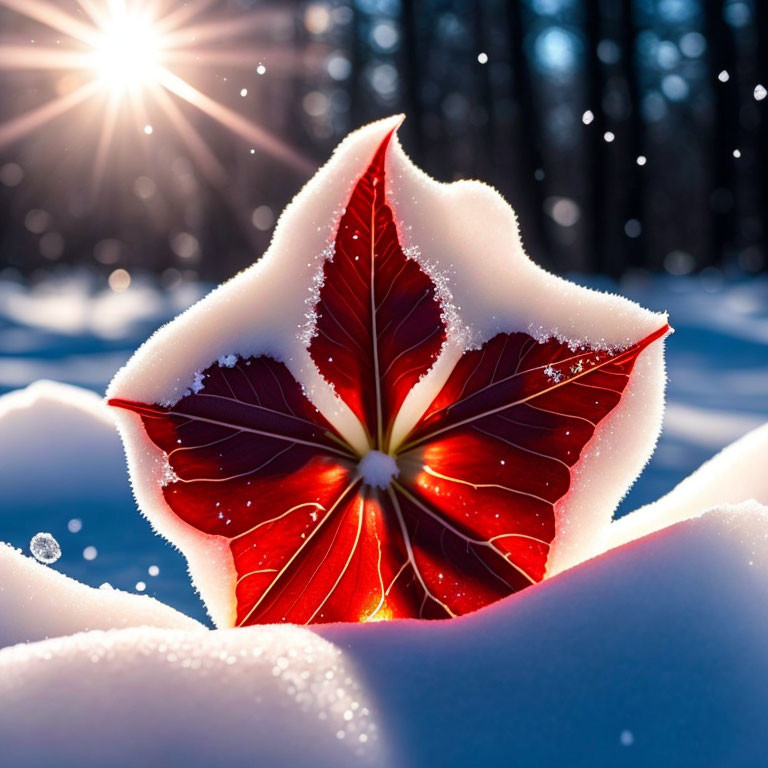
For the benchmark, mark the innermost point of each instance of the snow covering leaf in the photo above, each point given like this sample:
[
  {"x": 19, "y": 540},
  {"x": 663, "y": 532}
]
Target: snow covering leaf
[
  {"x": 450, "y": 514},
  {"x": 378, "y": 327}
]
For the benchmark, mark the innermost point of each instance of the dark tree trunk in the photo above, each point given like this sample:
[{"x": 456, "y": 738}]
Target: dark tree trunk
[
  {"x": 357, "y": 62},
  {"x": 485, "y": 160},
  {"x": 597, "y": 170},
  {"x": 724, "y": 134},
  {"x": 412, "y": 41},
  {"x": 761, "y": 172},
  {"x": 635, "y": 203},
  {"x": 529, "y": 150}
]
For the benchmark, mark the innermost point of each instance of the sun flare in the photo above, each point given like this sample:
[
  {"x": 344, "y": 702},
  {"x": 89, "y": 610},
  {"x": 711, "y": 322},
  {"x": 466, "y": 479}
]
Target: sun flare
[
  {"x": 131, "y": 48},
  {"x": 127, "y": 52}
]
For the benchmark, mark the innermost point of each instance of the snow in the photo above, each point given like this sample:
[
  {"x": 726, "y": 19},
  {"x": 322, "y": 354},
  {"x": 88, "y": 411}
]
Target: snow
[
  {"x": 664, "y": 639},
  {"x": 70, "y": 327},
  {"x": 72, "y": 305},
  {"x": 264, "y": 310},
  {"x": 737, "y": 473},
  {"x": 377, "y": 469},
  {"x": 271, "y": 696},
  {"x": 717, "y": 364},
  {"x": 62, "y": 468},
  {"x": 70, "y": 416},
  {"x": 584, "y": 669},
  {"x": 37, "y": 602}
]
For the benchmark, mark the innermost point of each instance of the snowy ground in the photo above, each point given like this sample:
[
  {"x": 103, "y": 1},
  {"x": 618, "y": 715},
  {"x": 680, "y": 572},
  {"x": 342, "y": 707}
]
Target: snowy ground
[
  {"x": 652, "y": 653},
  {"x": 72, "y": 331}
]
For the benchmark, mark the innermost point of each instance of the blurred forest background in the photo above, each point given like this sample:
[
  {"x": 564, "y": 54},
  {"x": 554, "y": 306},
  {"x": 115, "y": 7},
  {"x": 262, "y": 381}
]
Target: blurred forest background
[
  {"x": 142, "y": 159},
  {"x": 628, "y": 134}
]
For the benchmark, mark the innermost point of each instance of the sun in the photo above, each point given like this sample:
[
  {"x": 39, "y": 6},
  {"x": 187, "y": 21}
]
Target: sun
[
  {"x": 128, "y": 51},
  {"x": 131, "y": 48}
]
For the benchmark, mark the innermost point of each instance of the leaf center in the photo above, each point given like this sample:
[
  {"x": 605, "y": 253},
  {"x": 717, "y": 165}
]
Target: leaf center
[{"x": 378, "y": 469}]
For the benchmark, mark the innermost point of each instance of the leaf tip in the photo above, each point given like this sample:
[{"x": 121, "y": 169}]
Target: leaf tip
[{"x": 142, "y": 409}]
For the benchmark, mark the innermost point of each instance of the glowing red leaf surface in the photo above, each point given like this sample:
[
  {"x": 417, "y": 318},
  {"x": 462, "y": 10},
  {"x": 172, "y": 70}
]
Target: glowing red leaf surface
[
  {"x": 467, "y": 518},
  {"x": 378, "y": 318},
  {"x": 251, "y": 460}
]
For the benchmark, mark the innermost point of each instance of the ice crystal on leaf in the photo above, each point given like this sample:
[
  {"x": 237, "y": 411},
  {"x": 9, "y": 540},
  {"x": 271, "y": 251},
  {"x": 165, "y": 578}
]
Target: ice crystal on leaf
[{"x": 399, "y": 445}]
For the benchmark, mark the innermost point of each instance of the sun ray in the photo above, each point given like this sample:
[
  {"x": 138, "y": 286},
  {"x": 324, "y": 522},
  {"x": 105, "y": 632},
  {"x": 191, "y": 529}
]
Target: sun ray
[
  {"x": 181, "y": 16},
  {"x": 125, "y": 52},
  {"x": 279, "y": 59},
  {"x": 42, "y": 58},
  {"x": 29, "y": 121},
  {"x": 216, "y": 30},
  {"x": 211, "y": 168},
  {"x": 105, "y": 141},
  {"x": 96, "y": 12},
  {"x": 232, "y": 120},
  {"x": 197, "y": 147},
  {"x": 54, "y": 18},
  {"x": 139, "y": 109}
]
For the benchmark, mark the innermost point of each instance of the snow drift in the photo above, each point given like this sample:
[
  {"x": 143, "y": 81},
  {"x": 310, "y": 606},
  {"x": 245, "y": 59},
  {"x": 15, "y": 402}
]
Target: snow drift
[{"x": 653, "y": 649}]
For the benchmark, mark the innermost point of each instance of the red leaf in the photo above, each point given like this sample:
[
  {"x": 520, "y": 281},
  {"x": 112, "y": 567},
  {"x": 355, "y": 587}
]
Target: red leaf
[
  {"x": 251, "y": 458},
  {"x": 379, "y": 326},
  {"x": 493, "y": 454},
  {"x": 469, "y": 516},
  {"x": 513, "y": 374}
]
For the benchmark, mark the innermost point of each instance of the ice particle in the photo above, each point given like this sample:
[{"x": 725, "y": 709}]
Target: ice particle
[
  {"x": 633, "y": 228},
  {"x": 627, "y": 738},
  {"x": 90, "y": 553},
  {"x": 75, "y": 525},
  {"x": 198, "y": 383},
  {"x": 45, "y": 548},
  {"x": 760, "y": 92},
  {"x": 724, "y": 77},
  {"x": 153, "y": 570},
  {"x": 482, "y": 57},
  {"x": 553, "y": 374},
  {"x": 641, "y": 160},
  {"x": 588, "y": 117},
  {"x": 141, "y": 586}
]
